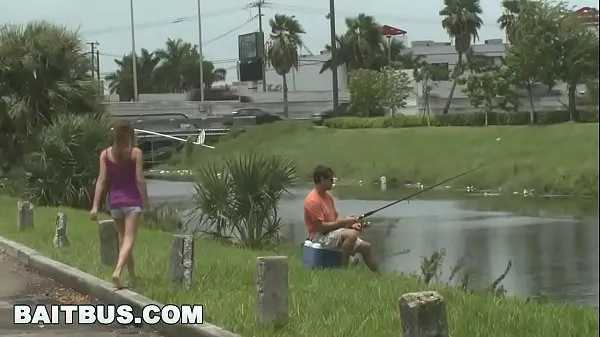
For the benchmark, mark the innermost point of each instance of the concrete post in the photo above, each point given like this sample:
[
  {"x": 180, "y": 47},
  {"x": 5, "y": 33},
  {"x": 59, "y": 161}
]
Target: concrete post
[
  {"x": 272, "y": 289},
  {"x": 60, "y": 234},
  {"x": 109, "y": 243},
  {"x": 423, "y": 314},
  {"x": 182, "y": 259},
  {"x": 24, "y": 215}
]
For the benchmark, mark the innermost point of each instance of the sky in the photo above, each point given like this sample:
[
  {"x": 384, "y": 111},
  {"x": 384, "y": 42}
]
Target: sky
[{"x": 108, "y": 22}]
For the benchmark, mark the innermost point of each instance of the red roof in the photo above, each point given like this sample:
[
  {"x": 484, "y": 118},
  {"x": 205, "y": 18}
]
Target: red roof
[
  {"x": 587, "y": 11},
  {"x": 592, "y": 13},
  {"x": 391, "y": 31}
]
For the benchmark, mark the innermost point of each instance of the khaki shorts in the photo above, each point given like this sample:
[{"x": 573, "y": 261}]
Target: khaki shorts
[{"x": 333, "y": 240}]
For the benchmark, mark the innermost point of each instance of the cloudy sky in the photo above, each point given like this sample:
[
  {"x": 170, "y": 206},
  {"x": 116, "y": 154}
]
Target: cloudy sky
[{"x": 108, "y": 21}]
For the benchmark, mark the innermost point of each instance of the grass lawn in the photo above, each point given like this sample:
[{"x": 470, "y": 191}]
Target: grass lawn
[
  {"x": 344, "y": 303},
  {"x": 560, "y": 159}
]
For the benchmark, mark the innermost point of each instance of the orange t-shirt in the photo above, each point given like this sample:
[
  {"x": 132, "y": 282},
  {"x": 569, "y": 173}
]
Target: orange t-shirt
[{"x": 318, "y": 209}]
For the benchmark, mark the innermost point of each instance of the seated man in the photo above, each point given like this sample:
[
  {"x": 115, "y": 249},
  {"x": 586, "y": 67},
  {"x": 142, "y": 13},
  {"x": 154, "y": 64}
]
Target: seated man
[{"x": 327, "y": 228}]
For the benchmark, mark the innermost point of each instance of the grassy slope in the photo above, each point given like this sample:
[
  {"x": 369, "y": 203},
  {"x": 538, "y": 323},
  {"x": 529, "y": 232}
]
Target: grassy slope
[
  {"x": 334, "y": 303},
  {"x": 555, "y": 159}
]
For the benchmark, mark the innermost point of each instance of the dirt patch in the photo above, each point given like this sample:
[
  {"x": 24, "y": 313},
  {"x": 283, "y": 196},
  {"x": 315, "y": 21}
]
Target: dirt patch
[{"x": 41, "y": 287}]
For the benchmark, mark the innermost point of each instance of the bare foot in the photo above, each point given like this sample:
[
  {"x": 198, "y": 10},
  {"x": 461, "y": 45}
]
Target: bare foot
[{"x": 116, "y": 280}]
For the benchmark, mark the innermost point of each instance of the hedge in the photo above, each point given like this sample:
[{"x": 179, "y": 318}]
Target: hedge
[{"x": 473, "y": 119}]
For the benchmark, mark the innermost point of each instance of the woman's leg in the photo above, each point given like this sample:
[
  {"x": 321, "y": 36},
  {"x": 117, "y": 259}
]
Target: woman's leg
[
  {"x": 131, "y": 224},
  {"x": 120, "y": 223}
]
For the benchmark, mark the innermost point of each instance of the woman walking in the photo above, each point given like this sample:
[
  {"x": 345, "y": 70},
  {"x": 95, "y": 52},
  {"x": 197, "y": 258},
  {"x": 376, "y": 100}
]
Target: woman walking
[{"x": 122, "y": 173}]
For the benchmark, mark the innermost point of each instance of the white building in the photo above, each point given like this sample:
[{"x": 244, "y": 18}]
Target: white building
[
  {"x": 444, "y": 53},
  {"x": 307, "y": 77}
]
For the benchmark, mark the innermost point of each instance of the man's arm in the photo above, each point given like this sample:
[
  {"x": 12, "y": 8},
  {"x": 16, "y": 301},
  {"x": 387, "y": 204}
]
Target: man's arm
[{"x": 316, "y": 212}]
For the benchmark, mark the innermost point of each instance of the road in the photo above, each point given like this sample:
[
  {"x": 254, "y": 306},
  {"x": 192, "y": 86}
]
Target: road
[{"x": 19, "y": 285}]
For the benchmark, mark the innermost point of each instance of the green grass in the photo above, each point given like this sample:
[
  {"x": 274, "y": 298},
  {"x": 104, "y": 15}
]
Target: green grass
[
  {"x": 559, "y": 159},
  {"x": 344, "y": 303}
]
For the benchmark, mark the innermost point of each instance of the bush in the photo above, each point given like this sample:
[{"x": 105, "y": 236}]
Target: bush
[
  {"x": 62, "y": 171},
  {"x": 238, "y": 200},
  {"x": 474, "y": 119}
]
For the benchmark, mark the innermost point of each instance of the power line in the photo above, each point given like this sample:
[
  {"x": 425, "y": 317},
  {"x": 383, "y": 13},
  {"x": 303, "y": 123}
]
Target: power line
[
  {"x": 324, "y": 11},
  {"x": 162, "y": 23},
  {"x": 231, "y": 30}
]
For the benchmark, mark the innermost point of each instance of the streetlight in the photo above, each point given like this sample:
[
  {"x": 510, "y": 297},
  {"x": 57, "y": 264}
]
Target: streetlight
[
  {"x": 334, "y": 73},
  {"x": 200, "y": 54},
  {"x": 133, "y": 56}
]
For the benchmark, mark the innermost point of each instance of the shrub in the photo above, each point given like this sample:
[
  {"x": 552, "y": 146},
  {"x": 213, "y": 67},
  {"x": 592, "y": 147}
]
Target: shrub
[
  {"x": 474, "y": 119},
  {"x": 238, "y": 200},
  {"x": 62, "y": 171}
]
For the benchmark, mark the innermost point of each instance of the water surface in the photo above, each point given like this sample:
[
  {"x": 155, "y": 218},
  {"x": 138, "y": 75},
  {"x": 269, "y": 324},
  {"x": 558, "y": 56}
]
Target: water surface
[{"x": 552, "y": 242}]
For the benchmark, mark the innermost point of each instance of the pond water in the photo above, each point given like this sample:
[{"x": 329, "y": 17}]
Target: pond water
[{"x": 552, "y": 242}]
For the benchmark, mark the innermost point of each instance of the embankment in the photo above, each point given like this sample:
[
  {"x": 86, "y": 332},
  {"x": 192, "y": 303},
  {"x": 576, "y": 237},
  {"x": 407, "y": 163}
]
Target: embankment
[{"x": 552, "y": 159}]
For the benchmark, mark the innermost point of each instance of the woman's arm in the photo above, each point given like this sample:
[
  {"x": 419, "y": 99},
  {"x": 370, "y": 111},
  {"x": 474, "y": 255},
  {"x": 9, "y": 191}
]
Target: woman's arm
[
  {"x": 100, "y": 181},
  {"x": 139, "y": 175}
]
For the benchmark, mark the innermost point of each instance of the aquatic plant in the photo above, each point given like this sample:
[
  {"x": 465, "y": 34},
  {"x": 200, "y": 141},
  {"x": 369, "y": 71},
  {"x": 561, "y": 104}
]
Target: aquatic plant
[{"x": 431, "y": 270}]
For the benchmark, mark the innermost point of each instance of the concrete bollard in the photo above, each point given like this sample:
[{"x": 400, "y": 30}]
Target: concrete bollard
[
  {"x": 182, "y": 259},
  {"x": 24, "y": 215},
  {"x": 272, "y": 304},
  {"x": 60, "y": 234},
  {"x": 423, "y": 314},
  {"x": 109, "y": 243}
]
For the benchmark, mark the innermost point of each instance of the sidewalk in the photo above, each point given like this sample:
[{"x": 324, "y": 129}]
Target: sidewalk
[{"x": 21, "y": 285}]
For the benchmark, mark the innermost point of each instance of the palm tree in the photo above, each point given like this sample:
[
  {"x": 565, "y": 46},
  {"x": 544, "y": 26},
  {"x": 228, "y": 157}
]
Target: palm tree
[
  {"x": 343, "y": 54},
  {"x": 282, "y": 48},
  {"x": 365, "y": 40},
  {"x": 191, "y": 72},
  {"x": 121, "y": 81},
  {"x": 462, "y": 22},
  {"x": 176, "y": 61},
  {"x": 509, "y": 17},
  {"x": 44, "y": 71}
]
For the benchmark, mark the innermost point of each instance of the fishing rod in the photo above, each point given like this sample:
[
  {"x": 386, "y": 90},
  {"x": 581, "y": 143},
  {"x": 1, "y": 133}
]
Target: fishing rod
[{"x": 426, "y": 189}]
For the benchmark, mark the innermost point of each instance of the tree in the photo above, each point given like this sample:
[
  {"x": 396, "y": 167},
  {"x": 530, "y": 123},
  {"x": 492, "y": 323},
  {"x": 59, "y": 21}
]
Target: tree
[
  {"x": 425, "y": 74},
  {"x": 375, "y": 92},
  {"x": 532, "y": 57},
  {"x": 491, "y": 90},
  {"x": 174, "y": 69},
  {"x": 509, "y": 17},
  {"x": 175, "y": 61},
  {"x": 462, "y": 22},
  {"x": 44, "y": 71},
  {"x": 282, "y": 49},
  {"x": 364, "y": 39},
  {"x": 578, "y": 45},
  {"x": 363, "y": 46},
  {"x": 121, "y": 81}
]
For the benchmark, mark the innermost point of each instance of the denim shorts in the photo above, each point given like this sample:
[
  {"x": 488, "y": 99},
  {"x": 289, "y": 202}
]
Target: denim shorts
[{"x": 122, "y": 212}]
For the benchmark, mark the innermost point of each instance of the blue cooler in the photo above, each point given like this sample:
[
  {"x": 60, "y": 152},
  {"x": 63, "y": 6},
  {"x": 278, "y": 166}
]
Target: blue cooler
[{"x": 314, "y": 256}]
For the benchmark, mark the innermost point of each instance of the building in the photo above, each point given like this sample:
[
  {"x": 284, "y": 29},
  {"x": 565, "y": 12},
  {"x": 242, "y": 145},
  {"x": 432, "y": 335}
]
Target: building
[
  {"x": 307, "y": 76},
  {"x": 590, "y": 14},
  {"x": 444, "y": 55}
]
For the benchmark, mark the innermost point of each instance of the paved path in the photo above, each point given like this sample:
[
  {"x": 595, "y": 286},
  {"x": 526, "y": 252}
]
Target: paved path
[{"x": 19, "y": 284}]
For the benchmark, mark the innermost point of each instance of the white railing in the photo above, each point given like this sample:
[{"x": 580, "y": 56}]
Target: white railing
[{"x": 199, "y": 140}]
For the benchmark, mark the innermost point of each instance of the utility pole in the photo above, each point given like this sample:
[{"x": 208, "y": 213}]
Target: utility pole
[
  {"x": 98, "y": 64},
  {"x": 133, "y": 53},
  {"x": 200, "y": 54},
  {"x": 259, "y": 5},
  {"x": 93, "y": 54},
  {"x": 334, "y": 63}
]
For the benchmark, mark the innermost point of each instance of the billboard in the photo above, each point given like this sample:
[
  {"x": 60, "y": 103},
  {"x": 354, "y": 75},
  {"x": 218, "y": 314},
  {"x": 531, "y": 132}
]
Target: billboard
[{"x": 251, "y": 46}]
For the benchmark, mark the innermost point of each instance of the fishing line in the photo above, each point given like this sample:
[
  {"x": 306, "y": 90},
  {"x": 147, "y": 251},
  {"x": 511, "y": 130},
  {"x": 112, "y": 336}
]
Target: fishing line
[{"x": 427, "y": 189}]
